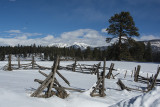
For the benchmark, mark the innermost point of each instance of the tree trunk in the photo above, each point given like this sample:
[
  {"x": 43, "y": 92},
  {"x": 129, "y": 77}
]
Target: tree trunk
[{"x": 119, "y": 47}]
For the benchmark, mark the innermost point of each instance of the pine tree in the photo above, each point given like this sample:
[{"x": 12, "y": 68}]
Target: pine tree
[
  {"x": 122, "y": 27},
  {"x": 148, "y": 52}
]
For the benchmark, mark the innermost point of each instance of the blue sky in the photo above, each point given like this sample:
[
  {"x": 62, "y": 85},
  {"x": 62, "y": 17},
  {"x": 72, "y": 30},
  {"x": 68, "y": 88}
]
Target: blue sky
[{"x": 36, "y": 20}]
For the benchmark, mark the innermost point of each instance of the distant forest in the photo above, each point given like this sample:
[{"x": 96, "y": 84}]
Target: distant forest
[{"x": 137, "y": 52}]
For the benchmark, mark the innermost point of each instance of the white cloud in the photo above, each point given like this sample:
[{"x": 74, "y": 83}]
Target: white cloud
[
  {"x": 13, "y": 31},
  {"x": 147, "y": 37},
  {"x": 104, "y": 30},
  {"x": 72, "y": 34},
  {"x": 81, "y": 33},
  {"x": 21, "y": 37},
  {"x": 18, "y": 33},
  {"x": 31, "y": 34},
  {"x": 88, "y": 36},
  {"x": 48, "y": 38}
]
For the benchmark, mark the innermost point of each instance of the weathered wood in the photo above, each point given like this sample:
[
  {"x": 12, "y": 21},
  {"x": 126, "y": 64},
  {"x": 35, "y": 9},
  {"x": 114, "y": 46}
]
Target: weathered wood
[
  {"x": 19, "y": 65},
  {"x": 129, "y": 89},
  {"x": 45, "y": 83},
  {"x": 42, "y": 67},
  {"x": 54, "y": 69},
  {"x": 95, "y": 88},
  {"x": 116, "y": 75},
  {"x": 73, "y": 89},
  {"x": 58, "y": 66},
  {"x": 93, "y": 69},
  {"x": 32, "y": 62},
  {"x": 80, "y": 67},
  {"x": 98, "y": 76},
  {"x": 9, "y": 63},
  {"x": 125, "y": 74},
  {"x": 74, "y": 66},
  {"x": 110, "y": 71},
  {"x": 143, "y": 78},
  {"x": 132, "y": 74},
  {"x": 67, "y": 88},
  {"x": 44, "y": 74},
  {"x": 38, "y": 80},
  {"x": 103, "y": 79},
  {"x": 137, "y": 73},
  {"x": 97, "y": 71},
  {"x": 61, "y": 92},
  {"x": 63, "y": 78},
  {"x": 122, "y": 86},
  {"x": 154, "y": 80}
]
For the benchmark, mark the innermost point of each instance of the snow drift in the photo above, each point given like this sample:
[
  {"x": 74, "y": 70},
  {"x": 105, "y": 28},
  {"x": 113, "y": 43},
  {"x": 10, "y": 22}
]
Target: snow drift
[{"x": 151, "y": 99}]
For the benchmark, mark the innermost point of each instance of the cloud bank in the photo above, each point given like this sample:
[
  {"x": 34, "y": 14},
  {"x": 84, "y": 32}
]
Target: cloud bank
[{"x": 88, "y": 36}]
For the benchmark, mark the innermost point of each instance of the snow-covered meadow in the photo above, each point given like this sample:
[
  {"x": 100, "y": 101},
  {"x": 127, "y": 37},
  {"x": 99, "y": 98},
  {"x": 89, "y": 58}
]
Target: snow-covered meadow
[{"x": 17, "y": 85}]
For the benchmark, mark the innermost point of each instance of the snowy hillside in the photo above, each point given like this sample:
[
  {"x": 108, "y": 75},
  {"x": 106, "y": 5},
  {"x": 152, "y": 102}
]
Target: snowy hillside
[
  {"x": 75, "y": 45},
  {"x": 82, "y": 46},
  {"x": 59, "y": 45},
  {"x": 155, "y": 44},
  {"x": 16, "y": 87},
  {"x": 150, "y": 99}
]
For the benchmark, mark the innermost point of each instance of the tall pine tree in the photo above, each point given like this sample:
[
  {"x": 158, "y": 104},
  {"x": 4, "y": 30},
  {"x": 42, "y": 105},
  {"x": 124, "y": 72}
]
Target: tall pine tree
[{"x": 122, "y": 27}]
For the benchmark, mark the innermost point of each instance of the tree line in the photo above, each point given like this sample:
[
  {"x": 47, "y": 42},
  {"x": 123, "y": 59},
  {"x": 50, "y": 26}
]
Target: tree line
[
  {"x": 137, "y": 51},
  {"x": 48, "y": 53}
]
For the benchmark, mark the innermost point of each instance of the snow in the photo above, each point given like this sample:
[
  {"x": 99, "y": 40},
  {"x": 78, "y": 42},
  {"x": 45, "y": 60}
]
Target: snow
[
  {"x": 75, "y": 45},
  {"x": 150, "y": 99},
  {"x": 59, "y": 45},
  {"x": 17, "y": 85}
]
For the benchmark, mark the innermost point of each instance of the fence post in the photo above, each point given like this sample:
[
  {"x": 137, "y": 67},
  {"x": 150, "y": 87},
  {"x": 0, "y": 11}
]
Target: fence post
[
  {"x": 74, "y": 66},
  {"x": 19, "y": 65},
  {"x": 9, "y": 63},
  {"x": 103, "y": 80},
  {"x": 137, "y": 73},
  {"x": 108, "y": 76},
  {"x": 125, "y": 74},
  {"x": 33, "y": 62}
]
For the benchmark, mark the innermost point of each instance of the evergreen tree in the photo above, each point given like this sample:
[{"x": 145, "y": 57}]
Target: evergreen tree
[
  {"x": 122, "y": 27},
  {"x": 137, "y": 51},
  {"x": 148, "y": 52}
]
